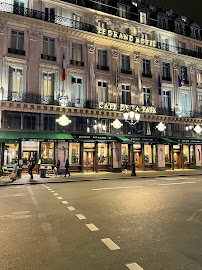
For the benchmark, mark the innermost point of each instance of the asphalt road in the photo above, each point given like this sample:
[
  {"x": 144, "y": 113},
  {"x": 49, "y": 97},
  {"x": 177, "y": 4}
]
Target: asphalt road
[{"x": 141, "y": 224}]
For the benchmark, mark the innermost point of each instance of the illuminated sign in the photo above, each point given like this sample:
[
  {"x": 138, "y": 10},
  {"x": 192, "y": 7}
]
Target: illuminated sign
[
  {"x": 123, "y": 107},
  {"x": 126, "y": 37},
  {"x": 63, "y": 121}
]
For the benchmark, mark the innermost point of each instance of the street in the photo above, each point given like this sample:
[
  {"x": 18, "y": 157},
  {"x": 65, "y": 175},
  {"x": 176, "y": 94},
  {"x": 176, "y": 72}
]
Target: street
[{"x": 136, "y": 224}]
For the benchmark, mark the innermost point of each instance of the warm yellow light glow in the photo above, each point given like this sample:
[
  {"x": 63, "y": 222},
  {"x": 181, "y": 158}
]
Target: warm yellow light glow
[
  {"x": 63, "y": 121},
  {"x": 117, "y": 124},
  {"x": 161, "y": 126},
  {"x": 198, "y": 129}
]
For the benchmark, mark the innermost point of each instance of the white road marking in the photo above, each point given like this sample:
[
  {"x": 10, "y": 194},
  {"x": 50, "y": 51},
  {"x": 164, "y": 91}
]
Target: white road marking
[
  {"x": 182, "y": 183},
  {"x": 71, "y": 208},
  {"x": 193, "y": 215},
  {"x": 64, "y": 202},
  {"x": 55, "y": 194},
  {"x": 52, "y": 191},
  {"x": 92, "y": 227},
  {"x": 14, "y": 195},
  {"x": 134, "y": 266},
  {"x": 49, "y": 188},
  {"x": 174, "y": 178},
  {"x": 80, "y": 216},
  {"x": 59, "y": 198},
  {"x": 115, "y": 188},
  {"x": 110, "y": 244},
  {"x": 17, "y": 215}
]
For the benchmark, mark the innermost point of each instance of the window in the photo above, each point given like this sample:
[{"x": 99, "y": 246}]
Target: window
[
  {"x": 78, "y": 91},
  {"x": 76, "y": 52},
  {"x": 184, "y": 73},
  {"x": 162, "y": 23},
  {"x": 48, "y": 46},
  {"x": 146, "y": 67},
  {"x": 10, "y": 153},
  {"x": 74, "y": 153},
  {"x": 76, "y": 17},
  {"x": 47, "y": 152},
  {"x": 102, "y": 153},
  {"x": 143, "y": 17},
  {"x": 122, "y": 11},
  {"x": 199, "y": 78},
  {"x": 18, "y": 7},
  {"x": 196, "y": 33},
  {"x": 166, "y": 71},
  {"x": 101, "y": 5},
  {"x": 198, "y": 49},
  {"x": 125, "y": 62},
  {"x": 200, "y": 102},
  {"x": 126, "y": 94},
  {"x": 179, "y": 29},
  {"x": 102, "y": 25},
  {"x": 166, "y": 99},
  {"x": 47, "y": 85},
  {"x": 102, "y": 58},
  {"x": 17, "y": 40},
  {"x": 102, "y": 91},
  {"x": 147, "y": 96},
  {"x": 15, "y": 83},
  {"x": 185, "y": 103},
  {"x": 49, "y": 14},
  {"x": 182, "y": 47}
]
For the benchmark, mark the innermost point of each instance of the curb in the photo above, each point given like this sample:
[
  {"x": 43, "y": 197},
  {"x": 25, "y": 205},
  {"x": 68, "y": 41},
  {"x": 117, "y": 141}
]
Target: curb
[{"x": 100, "y": 179}]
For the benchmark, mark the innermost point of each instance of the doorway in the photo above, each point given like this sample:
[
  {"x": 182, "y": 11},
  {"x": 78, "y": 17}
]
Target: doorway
[
  {"x": 177, "y": 160},
  {"x": 89, "y": 161}
]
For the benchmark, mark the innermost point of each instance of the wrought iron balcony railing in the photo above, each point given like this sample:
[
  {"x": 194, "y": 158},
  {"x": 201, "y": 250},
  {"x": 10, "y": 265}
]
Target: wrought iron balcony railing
[
  {"x": 148, "y": 75},
  {"x": 39, "y": 15},
  {"x": 166, "y": 79},
  {"x": 48, "y": 57},
  {"x": 15, "y": 51},
  {"x": 77, "y": 63},
  {"x": 103, "y": 67},
  {"x": 126, "y": 71}
]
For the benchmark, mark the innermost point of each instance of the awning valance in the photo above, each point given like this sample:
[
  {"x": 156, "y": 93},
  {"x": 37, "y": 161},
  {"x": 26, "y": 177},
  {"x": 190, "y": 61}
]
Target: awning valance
[{"x": 124, "y": 139}]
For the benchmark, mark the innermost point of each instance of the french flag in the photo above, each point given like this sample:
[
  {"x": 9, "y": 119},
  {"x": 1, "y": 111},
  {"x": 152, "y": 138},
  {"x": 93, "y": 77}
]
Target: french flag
[{"x": 63, "y": 69}]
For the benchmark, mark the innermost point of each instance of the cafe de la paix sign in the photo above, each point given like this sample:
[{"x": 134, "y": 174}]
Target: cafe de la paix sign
[{"x": 123, "y": 107}]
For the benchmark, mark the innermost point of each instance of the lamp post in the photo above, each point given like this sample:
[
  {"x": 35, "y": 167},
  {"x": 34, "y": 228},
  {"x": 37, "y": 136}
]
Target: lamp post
[{"x": 132, "y": 118}]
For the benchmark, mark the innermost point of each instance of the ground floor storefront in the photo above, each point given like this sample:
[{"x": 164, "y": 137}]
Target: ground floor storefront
[{"x": 96, "y": 153}]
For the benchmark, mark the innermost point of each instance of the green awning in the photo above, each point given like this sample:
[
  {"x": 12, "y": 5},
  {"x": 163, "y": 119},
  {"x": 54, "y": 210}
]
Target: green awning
[
  {"x": 169, "y": 140},
  {"x": 7, "y": 136},
  {"x": 124, "y": 139}
]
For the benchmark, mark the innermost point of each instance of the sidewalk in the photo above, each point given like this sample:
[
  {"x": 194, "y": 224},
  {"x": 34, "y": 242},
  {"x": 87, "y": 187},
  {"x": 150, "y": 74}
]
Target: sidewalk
[{"x": 79, "y": 177}]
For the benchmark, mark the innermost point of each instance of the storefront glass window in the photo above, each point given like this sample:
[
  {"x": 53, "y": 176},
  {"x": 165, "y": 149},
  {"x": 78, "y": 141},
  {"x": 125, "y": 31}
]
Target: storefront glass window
[
  {"x": 47, "y": 153},
  {"x": 192, "y": 154},
  {"x": 167, "y": 154},
  {"x": 124, "y": 152},
  {"x": 74, "y": 153},
  {"x": 186, "y": 153},
  {"x": 102, "y": 153},
  {"x": 148, "y": 154},
  {"x": 10, "y": 153}
]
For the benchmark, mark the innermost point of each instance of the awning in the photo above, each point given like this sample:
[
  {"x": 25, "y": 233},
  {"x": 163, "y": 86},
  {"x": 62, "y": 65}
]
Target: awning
[
  {"x": 7, "y": 136},
  {"x": 169, "y": 140},
  {"x": 124, "y": 139}
]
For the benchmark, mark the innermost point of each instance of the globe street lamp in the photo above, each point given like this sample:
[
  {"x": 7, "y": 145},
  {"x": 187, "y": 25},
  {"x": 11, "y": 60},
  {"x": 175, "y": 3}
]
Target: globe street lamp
[{"x": 132, "y": 118}]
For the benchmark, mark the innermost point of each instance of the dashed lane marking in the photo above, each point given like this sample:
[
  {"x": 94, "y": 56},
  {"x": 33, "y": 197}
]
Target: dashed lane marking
[
  {"x": 134, "y": 266},
  {"x": 110, "y": 244},
  {"x": 56, "y": 194},
  {"x": 59, "y": 198},
  {"x": 182, "y": 183},
  {"x": 64, "y": 202},
  {"x": 96, "y": 189},
  {"x": 49, "y": 188},
  {"x": 71, "y": 208},
  {"x": 52, "y": 191},
  {"x": 174, "y": 178},
  {"x": 92, "y": 227},
  {"x": 80, "y": 216}
]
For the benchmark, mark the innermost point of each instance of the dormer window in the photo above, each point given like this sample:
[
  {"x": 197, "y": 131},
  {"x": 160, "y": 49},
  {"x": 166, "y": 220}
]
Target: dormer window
[
  {"x": 195, "y": 31},
  {"x": 101, "y": 5},
  {"x": 143, "y": 17},
  {"x": 122, "y": 11},
  {"x": 179, "y": 28},
  {"x": 162, "y": 22}
]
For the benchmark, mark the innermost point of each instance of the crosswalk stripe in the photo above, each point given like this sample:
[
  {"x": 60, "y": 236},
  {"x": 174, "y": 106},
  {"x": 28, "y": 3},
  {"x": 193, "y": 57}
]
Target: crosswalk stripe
[{"x": 110, "y": 244}]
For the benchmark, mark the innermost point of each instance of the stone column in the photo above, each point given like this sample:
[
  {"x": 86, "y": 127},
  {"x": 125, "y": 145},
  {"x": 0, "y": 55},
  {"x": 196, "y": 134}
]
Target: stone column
[
  {"x": 193, "y": 82},
  {"x": 96, "y": 157},
  {"x": 114, "y": 95},
  {"x": 91, "y": 89},
  {"x": 81, "y": 155}
]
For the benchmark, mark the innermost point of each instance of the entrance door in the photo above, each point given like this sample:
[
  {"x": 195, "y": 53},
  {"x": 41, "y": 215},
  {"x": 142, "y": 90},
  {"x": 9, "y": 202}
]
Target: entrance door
[
  {"x": 137, "y": 160},
  {"x": 177, "y": 160},
  {"x": 89, "y": 161},
  {"x": 27, "y": 156}
]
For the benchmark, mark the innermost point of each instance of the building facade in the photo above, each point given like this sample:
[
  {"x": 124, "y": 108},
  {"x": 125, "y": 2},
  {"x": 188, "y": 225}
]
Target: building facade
[{"x": 118, "y": 56}]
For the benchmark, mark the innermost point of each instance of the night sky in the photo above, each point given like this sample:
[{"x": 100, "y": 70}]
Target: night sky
[{"x": 192, "y": 9}]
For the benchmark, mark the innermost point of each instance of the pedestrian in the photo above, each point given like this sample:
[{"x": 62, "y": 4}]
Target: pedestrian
[
  {"x": 58, "y": 168},
  {"x": 67, "y": 167},
  {"x": 14, "y": 172},
  {"x": 31, "y": 167}
]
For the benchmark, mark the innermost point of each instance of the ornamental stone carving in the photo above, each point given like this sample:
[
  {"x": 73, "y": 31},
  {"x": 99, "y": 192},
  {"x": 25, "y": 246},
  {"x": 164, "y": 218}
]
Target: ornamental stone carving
[
  {"x": 136, "y": 57},
  {"x": 2, "y": 28},
  {"x": 193, "y": 69},
  {"x": 90, "y": 48},
  {"x": 33, "y": 35},
  {"x": 64, "y": 42},
  {"x": 175, "y": 65},
  {"x": 115, "y": 53},
  {"x": 157, "y": 61}
]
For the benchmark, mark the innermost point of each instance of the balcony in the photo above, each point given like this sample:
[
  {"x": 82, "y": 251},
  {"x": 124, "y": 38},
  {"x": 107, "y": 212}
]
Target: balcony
[
  {"x": 167, "y": 79},
  {"x": 77, "y": 63},
  {"x": 126, "y": 71},
  {"x": 15, "y": 51},
  {"x": 48, "y": 57},
  {"x": 147, "y": 75},
  {"x": 102, "y": 67}
]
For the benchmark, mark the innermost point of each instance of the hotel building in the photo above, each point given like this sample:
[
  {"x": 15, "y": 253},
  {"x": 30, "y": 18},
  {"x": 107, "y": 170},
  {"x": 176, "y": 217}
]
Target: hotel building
[{"x": 119, "y": 56}]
